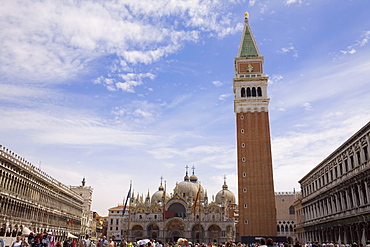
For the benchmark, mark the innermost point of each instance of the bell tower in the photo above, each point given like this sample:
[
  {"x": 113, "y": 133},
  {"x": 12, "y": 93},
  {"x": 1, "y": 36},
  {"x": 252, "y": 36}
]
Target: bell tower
[{"x": 257, "y": 212}]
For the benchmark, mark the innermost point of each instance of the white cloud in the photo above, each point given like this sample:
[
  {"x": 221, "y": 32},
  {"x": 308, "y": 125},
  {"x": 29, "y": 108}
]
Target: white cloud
[
  {"x": 275, "y": 79},
  {"x": 217, "y": 83},
  {"x": 44, "y": 128},
  {"x": 223, "y": 97},
  {"x": 307, "y": 106},
  {"x": 288, "y": 49},
  {"x": 289, "y": 2},
  {"x": 252, "y": 2},
  {"x": 365, "y": 38},
  {"x": 50, "y": 41},
  {"x": 132, "y": 80},
  {"x": 128, "y": 86},
  {"x": 351, "y": 49}
]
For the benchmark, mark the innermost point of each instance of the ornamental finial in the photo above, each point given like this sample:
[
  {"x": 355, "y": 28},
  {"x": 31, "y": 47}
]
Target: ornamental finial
[{"x": 246, "y": 14}]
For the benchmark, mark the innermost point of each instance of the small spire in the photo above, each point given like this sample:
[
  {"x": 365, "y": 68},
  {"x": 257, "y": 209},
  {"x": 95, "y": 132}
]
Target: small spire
[
  {"x": 225, "y": 187},
  {"x": 148, "y": 196},
  {"x": 193, "y": 168},
  {"x": 83, "y": 181},
  {"x": 160, "y": 188},
  {"x": 186, "y": 178}
]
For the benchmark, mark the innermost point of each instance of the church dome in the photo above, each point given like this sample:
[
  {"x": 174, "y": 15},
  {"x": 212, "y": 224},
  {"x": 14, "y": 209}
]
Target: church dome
[
  {"x": 229, "y": 196},
  {"x": 225, "y": 192},
  {"x": 158, "y": 196},
  {"x": 187, "y": 189}
]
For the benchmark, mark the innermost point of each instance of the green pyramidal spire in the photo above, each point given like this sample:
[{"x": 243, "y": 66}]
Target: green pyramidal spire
[{"x": 248, "y": 46}]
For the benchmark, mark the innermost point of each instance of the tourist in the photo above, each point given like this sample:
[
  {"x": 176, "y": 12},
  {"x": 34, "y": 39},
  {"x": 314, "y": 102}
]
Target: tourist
[
  {"x": 111, "y": 243},
  {"x": 86, "y": 242},
  {"x": 17, "y": 242},
  {"x": 123, "y": 243},
  {"x": 68, "y": 242},
  {"x": 104, "y": 242},
  {"x": 263, "y": 242},
  {"x": 270, "y": 242}
]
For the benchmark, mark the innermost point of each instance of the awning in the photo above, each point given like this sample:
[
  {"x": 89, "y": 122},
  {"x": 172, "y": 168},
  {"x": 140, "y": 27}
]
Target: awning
[{"x": 70, "y": 235}]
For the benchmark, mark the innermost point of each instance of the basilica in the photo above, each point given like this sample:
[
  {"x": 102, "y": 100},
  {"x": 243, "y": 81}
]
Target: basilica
[{"x": 186, "y": 212}]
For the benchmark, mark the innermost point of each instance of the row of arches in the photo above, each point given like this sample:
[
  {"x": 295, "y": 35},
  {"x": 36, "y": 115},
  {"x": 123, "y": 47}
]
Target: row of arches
[
  {"x": 251, "y": 92},
  {"x": 341, "y": 232},
  {"x": 14, "y": 230},
  {"x": 38, "y": 192},
  {"x": 35, "y": 203},
  {"x": 175, "y": 229},
  {"x": 352, "y": 196}
]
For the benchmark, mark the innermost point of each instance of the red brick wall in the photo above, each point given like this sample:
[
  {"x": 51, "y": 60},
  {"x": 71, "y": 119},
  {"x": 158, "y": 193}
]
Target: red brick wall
[{"x": 259, "y": 197}]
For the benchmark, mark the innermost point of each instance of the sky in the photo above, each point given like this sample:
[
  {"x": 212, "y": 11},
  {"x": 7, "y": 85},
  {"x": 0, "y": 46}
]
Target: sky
[{"x": 121, "y": 90}]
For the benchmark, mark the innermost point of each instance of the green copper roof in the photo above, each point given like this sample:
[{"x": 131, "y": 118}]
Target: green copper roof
[{"x": 248, "y": 44}]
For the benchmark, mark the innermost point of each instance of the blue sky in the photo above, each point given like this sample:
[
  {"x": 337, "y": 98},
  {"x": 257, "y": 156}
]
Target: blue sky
[{"x": 134, "y": 90}]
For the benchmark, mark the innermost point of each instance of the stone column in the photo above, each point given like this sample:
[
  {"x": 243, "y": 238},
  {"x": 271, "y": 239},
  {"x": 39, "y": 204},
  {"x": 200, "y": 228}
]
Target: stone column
[
  {"x": 367, "y": 190},
  {"x": 360, "y": 194}
]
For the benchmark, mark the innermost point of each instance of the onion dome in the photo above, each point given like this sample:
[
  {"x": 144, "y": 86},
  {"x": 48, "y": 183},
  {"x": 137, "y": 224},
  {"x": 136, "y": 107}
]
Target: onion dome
[
  {"x": 225, "y": 193},
  {"x": 193, "y": 178}
]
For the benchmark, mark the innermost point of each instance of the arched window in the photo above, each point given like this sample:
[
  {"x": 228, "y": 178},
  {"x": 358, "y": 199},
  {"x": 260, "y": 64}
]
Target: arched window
[
  {"x": 248, "y": 92},
  {"x": 243, "y": 92},
  {"x": 291, "y": 210},
  {"x": 253, "y": 92},
  {"x": 259, "y": 91}
]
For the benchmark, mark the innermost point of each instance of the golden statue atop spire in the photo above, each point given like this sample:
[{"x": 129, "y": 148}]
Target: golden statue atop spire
[{"x": 246, "y": 14}]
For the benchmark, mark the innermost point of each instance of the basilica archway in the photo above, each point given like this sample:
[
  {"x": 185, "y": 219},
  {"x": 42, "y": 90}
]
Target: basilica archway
[
  {"x": 197, "y": 234},
  {"x": 175, "y": 229},
  {"x": 138, "y": 232},
  {"x": 153, "y": 231},
  {"x": 214, "y": 233}
]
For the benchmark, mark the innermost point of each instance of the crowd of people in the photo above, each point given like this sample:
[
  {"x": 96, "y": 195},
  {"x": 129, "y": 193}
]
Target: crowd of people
[{"x": 47, "y": 240}]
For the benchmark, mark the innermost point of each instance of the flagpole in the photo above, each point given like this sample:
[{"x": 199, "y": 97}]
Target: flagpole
[
  {"x": 125, "y": 205},
  {"x": 129, "y": 215},
  {"x": 164, "y": 212},
  {"x": 199, "y": 231}
]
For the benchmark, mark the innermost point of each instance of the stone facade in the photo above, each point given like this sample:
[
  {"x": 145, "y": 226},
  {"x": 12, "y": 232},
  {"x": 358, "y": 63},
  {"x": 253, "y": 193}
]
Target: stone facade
[
  {"x": 167, "y": 217},
  {"x": 31, "y": 198},
  {"x": 335, "y": 201},
  {"x": 87, "y": 214},
  {"x": 285, "y": 215}
]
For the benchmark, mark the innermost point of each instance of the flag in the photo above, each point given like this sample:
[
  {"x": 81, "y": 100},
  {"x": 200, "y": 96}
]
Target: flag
[
  {"x": 127, "y": 198},
  {"x": 196, "y": 200}
]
